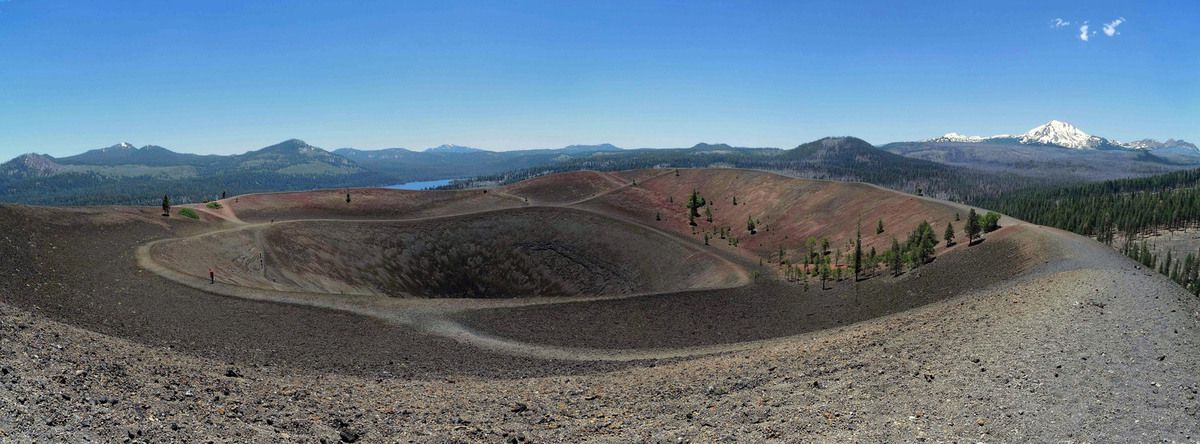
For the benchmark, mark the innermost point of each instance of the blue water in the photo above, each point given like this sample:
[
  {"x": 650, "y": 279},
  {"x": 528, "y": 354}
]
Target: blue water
[{"x": 420, "y": 185}]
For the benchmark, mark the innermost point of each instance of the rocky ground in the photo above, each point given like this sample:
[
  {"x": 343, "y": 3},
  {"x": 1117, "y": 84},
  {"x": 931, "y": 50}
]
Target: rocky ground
[{"x": 1085, "y": 348}]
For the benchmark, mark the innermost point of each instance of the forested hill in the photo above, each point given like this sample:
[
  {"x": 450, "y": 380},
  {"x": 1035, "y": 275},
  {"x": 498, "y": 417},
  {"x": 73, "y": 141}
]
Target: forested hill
[{"x": 1104, "y": 209}]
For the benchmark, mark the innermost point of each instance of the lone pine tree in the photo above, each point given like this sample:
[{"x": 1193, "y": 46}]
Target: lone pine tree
[
  {"x": 896, "y": 258},
  {"x": 858, "y": 252},
  {"x": 972, "y": 227}
]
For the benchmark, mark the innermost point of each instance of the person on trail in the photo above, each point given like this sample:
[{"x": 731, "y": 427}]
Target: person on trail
[{"x": 212, "y": 277}]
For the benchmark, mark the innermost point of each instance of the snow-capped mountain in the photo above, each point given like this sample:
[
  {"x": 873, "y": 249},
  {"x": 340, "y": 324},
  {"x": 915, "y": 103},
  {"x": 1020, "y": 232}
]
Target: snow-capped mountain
[
  {"x": 453, "y": 149},
  {"x": 1059, "y": 133},
  {"x": 1064, "y": 135},
  {"x": 956, "y": 137},
  {"x": 1151, "y": 144}
]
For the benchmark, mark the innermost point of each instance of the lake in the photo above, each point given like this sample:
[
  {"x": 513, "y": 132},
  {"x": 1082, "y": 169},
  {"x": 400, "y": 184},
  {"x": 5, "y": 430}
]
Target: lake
[{"x": 423, "y": 185}]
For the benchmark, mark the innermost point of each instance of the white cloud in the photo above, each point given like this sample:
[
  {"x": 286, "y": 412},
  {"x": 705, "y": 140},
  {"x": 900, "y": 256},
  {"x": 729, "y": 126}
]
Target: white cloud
[
  {"x": 1059, "y": 23},
  {"x": 1083, "y": 32},
  {"x": 1110, "y": 28}
]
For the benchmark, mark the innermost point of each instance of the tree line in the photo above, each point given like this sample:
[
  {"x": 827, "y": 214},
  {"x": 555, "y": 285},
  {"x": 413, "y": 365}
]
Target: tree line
[{"x": 1104, "y": 210}]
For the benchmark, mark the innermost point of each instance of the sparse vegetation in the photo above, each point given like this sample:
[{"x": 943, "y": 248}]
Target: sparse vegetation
[
  {"x": 213, "y": 205},
  {"x": 189, "y": 213}
]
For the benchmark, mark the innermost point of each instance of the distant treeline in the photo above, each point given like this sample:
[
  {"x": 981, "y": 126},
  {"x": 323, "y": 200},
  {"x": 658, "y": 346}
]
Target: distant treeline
[
  {"x": 1105, "y": 209},
  {"x": 1185, "y": 271}
]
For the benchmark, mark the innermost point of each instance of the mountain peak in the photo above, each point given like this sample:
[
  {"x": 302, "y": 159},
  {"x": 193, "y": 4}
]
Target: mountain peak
[
  {"x": 1059, "y": 133},
  {"x": 30, "y": 164},
  {"x": 1054, "y": 133},
  {"x": 711, "y": 146},
  {"x": 290, "y": 145}
]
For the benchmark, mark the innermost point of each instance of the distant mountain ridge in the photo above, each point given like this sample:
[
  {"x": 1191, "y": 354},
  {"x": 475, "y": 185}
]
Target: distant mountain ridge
[
  {"x": 954, "y": 166},
  {"x": 1064, "y": 135},
  {"x": 1054, "y": 150},
  {"x": 124, "y": 173}
]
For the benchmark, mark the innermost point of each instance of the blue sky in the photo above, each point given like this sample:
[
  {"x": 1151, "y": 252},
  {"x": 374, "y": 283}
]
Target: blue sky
[{"x": 230, "y": 76}]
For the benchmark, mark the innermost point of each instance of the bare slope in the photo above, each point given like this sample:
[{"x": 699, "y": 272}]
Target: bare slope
[
  {"x": 789, "y": 211},
  {"x": 511, "y": 253},
  {"x": 365, "y": 203},
  {"x": 565, "y": 188}
]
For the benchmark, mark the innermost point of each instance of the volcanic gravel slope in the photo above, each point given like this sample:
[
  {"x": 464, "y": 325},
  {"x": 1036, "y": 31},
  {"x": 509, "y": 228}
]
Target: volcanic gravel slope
[
  {"x": 500, "y": 254},
  {"x": 1079, "y": 344}
]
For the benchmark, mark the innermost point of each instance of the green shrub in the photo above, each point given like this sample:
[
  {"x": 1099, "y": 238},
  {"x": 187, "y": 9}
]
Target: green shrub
[
  {"x": 188, "y": 212},
  {"x": 214, "y": 205}
]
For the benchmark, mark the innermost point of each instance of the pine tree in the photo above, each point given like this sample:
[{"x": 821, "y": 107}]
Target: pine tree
[
  {"x": 705, "y": 238},
  {"x": 657, "y": 215},
  {"x": 949, "y": 236},
  {"x": 858, "y": 252},
  {"x": 991, "y": 222},
  {"x": 750, "y": 225},
  {"x": 166, "y": 206},
  {"x": 694, "y": 203},
  {"x": 921, "y": 243},
  {"x": 837, "y": 264},
  {"x": 879, "y": 227},
  {"x": 824, "y": 272},
  {"x": 708, "y": 213},
  {"x": 895, "y": 256},
  {"x": 972, "y": 227},
  {"x": 735, "y": 201},
  {"x": 347, "y": 197}
]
